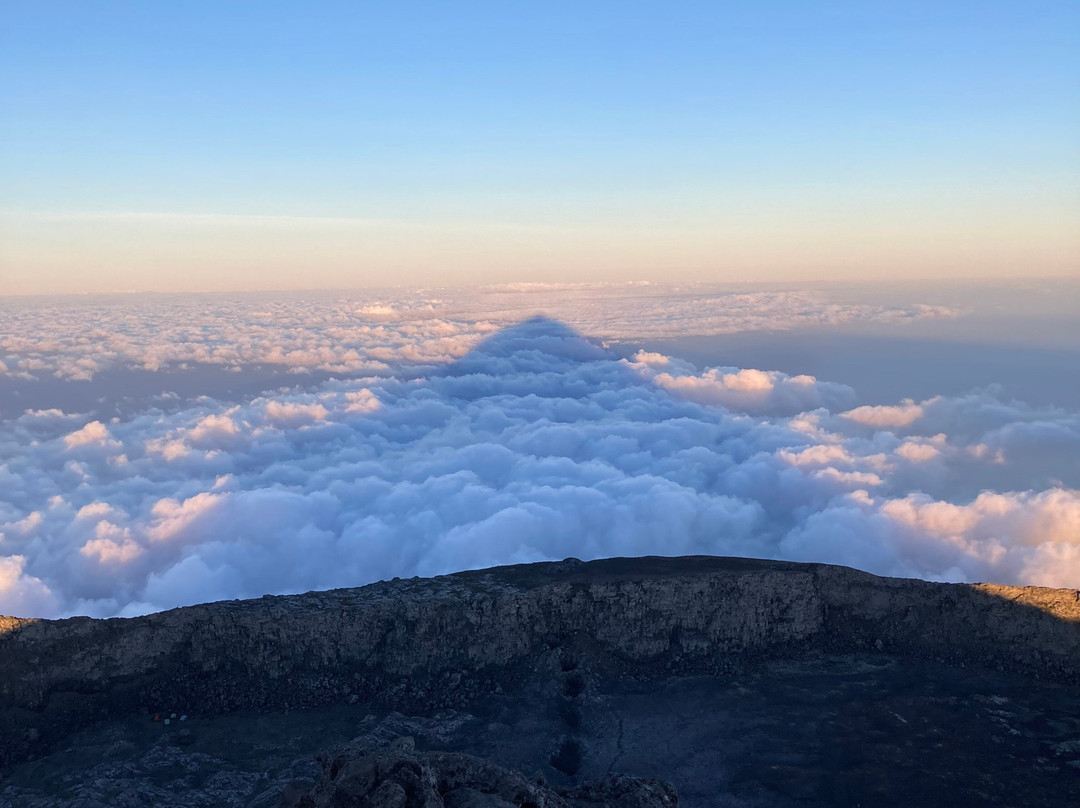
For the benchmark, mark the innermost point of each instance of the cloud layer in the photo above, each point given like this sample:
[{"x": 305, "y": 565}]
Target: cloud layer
[
  {"x": 366, "y": 333},
  {"x": 535, "y": 444}
]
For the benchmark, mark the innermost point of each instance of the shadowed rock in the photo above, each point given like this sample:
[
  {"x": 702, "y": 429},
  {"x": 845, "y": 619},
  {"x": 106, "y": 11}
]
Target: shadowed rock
[
  {"x": 444, "y": 642},
  {"x": 397, "y": 776}
]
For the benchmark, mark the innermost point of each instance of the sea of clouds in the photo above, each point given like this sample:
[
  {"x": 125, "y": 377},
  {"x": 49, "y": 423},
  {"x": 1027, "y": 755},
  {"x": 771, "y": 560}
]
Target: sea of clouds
[
  {"x": 367, "y": 333},
  {"x": 461, "y": 433}
]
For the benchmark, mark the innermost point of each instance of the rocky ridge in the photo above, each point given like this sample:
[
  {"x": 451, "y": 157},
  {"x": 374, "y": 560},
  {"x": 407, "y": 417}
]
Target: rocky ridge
[{"x": 444, "y": 642}]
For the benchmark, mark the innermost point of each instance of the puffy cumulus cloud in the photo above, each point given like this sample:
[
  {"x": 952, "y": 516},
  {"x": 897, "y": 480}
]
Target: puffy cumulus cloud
[
  {"x": 94, "y": 433},
  {"x": 886, "y": 415},
  {"x": 95, "y": 510},
  {"x": 361, "y": 333},
  {"x": 921, "y": 451},
  {"x": 111, "y": 543},
  {"x": 361, "y": 401},
  {"x": 958, "y": 446},
  {"x": 213, "y": 429},
  {"x": 381, "y": 311},
  {"x": 294, "y": 413},
  {"x": 537, "y": 444},
  {"x": 21, "y": 593},
  {"x": 757, "y": 392},
  {"x": 1031, "y": 537}
]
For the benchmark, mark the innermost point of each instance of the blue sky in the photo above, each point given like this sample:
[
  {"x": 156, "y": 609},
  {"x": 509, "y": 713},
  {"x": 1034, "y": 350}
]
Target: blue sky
[{"x": 243, "y": 145}]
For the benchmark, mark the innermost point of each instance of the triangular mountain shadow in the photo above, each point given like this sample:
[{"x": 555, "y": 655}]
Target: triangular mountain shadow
[{"x": 530, "y": 339}]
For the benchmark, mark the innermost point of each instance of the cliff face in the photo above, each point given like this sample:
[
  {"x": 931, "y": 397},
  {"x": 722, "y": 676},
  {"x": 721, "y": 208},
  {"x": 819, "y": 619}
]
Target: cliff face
[{"x": 444, "y": 641}]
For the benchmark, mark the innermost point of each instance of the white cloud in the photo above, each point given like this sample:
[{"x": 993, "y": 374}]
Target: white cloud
[
  {"x": 94, "y": 433},
  {"x": 918, "y": 451},
  {"x": 361, "y": 332},
  {"x": 111, "y": 544},
  {"x": 884, "y": 416},
  {"x": 820, "y": 455},
  {"x": 537, "y": 444},
  {"x": 757, "y": 392},
  {"x": 294, "y": 413},
  {"x": 213, "y": 429},
  {"x": 21, "y": 593},
  {"x": 855, "y": 480},
  {"x": 362, "y": 401},
  {"x": 94, "y": 510},
  {"x": 1029, "y": 537}
]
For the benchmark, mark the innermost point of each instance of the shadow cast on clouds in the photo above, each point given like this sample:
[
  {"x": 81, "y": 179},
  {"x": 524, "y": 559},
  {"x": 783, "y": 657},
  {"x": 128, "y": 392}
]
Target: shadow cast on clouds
[{"x": 536, "y": 444}]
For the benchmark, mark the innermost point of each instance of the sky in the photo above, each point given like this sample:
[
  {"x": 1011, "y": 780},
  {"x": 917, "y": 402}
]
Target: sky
[
  {"x": 304, "y": 295},
  {"x": 189, "y": 146}
]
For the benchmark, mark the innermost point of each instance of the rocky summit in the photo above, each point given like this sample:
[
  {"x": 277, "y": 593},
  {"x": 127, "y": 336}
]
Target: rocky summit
[{"x": 617, "y": 682}]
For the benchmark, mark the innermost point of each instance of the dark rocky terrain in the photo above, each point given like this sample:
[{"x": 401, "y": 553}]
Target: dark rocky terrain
[{"x": 740, "y": 682}]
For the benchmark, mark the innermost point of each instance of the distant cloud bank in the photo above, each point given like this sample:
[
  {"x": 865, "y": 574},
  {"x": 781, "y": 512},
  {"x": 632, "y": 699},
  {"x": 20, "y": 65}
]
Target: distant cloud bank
[
  {"x": 361, "y": 333},
  {"x": 494, "y": 444}
]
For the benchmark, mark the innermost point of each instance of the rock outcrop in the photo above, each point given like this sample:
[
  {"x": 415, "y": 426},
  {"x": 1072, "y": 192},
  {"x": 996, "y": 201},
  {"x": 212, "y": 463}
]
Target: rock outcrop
[
  {"x": 398, "y": 776},
  {"x": 443, "y": 642}
]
